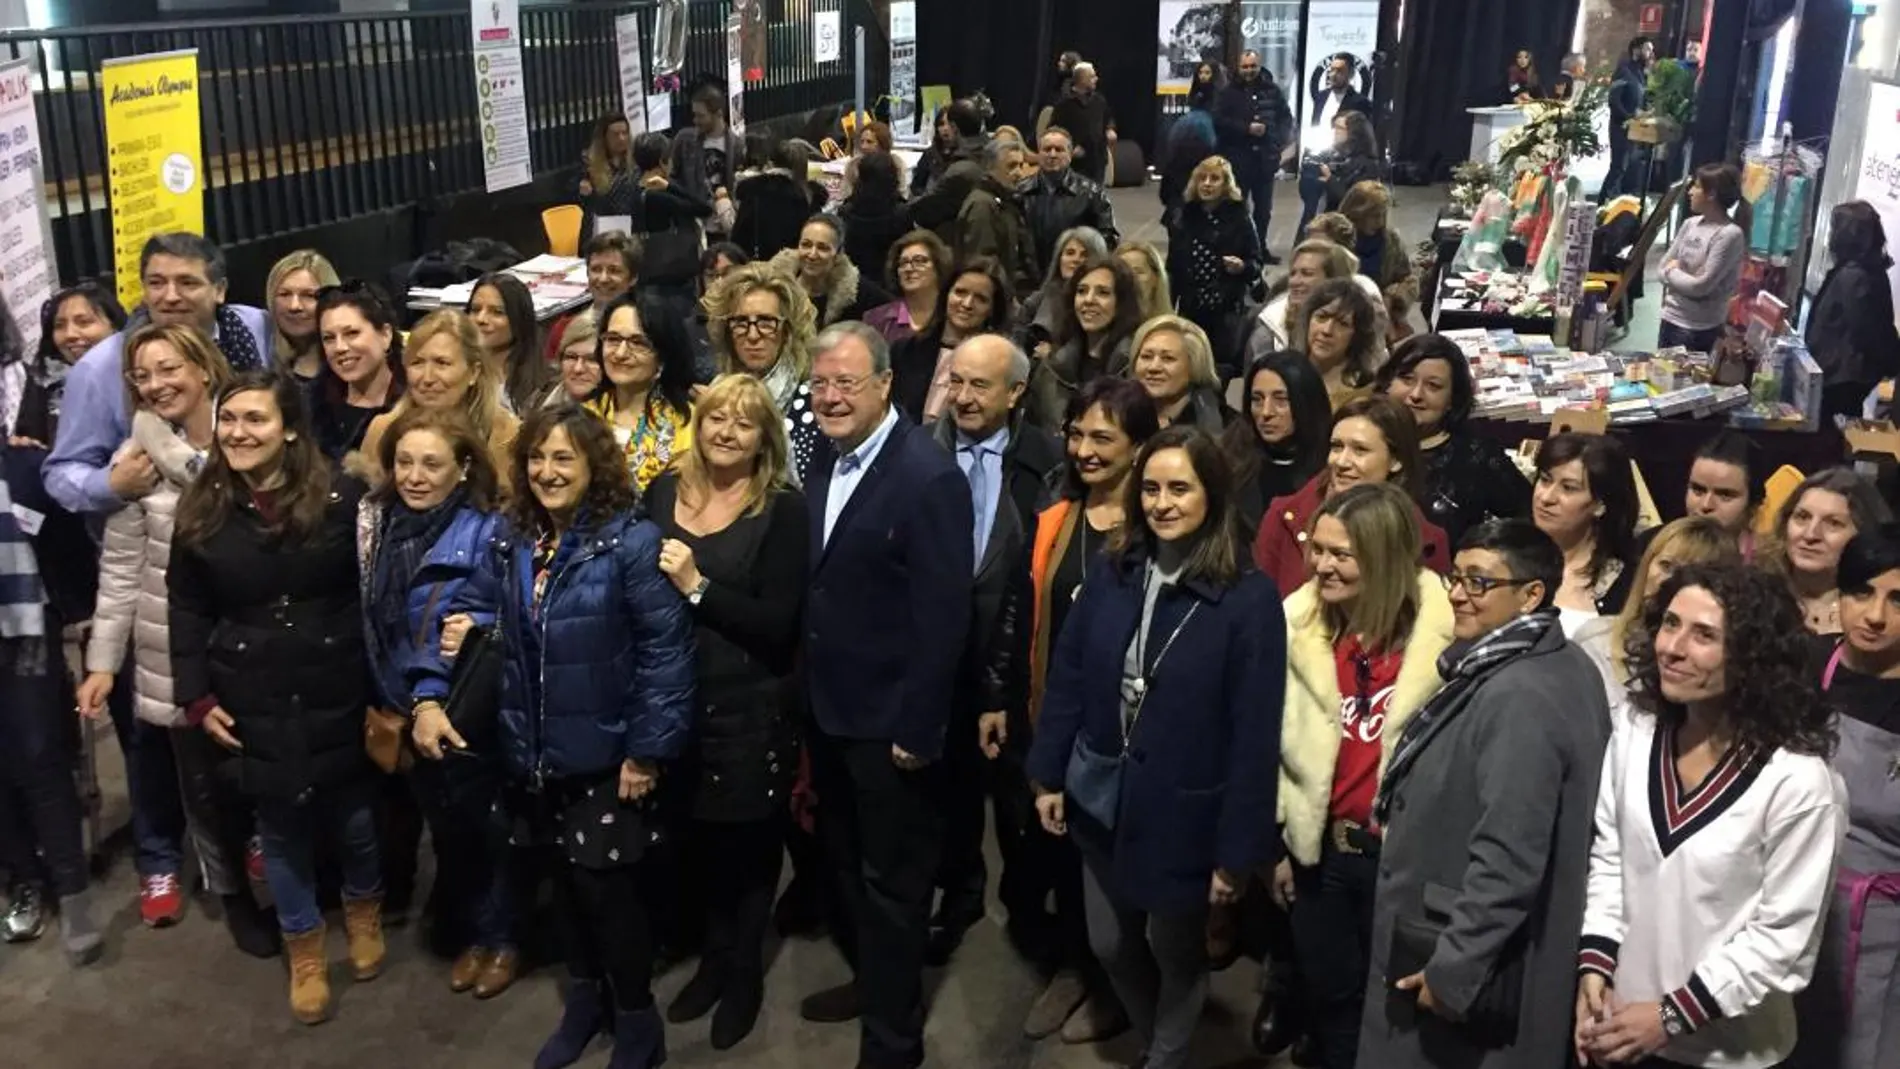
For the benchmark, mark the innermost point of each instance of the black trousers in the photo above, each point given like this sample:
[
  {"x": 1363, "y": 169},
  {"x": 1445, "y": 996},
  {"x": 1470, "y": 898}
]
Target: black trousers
[
  {"x": 41, "y": 839},
  {"x": 399, "y": 831},
  {"x": 1332, "y": 938},
  {"x": 604, "y": 930},
  {"x": 962, "y": 875},
  {"x": 882, "y": 829},
  {"x": 736, "y": 866}
]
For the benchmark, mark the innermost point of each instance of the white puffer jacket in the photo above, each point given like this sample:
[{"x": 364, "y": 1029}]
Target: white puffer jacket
[{"x": 133, "y": 609}]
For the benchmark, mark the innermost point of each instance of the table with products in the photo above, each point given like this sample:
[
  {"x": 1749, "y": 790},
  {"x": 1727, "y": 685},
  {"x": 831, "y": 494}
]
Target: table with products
[{"x": 558, "y": 285}]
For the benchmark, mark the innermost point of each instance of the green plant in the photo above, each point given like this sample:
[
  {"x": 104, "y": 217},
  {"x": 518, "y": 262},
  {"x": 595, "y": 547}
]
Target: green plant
[{"x": 1671, "y": 92}]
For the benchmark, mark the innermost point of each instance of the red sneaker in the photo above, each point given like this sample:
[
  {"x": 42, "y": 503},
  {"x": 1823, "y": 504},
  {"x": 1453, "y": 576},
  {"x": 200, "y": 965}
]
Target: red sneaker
[
  {"x": 161, "y": 900},
  {"x": 254, "y": 859}
]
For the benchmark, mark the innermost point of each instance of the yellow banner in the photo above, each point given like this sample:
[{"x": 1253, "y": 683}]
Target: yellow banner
[{"x": 154, "y": 155}]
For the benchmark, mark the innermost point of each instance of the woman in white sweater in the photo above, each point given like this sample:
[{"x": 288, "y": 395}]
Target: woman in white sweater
[
  {"x": 1704, "y": 264},
  {"x": 1718, "y": 824},
  {"x": 172, "y": 376}
]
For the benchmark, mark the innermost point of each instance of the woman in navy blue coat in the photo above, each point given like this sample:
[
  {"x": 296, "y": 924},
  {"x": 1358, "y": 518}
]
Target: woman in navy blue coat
[
  {"x": 420, "y": 536},
  {"x": 597, "y": 692},
  {"x": 1159, "y": 739}
]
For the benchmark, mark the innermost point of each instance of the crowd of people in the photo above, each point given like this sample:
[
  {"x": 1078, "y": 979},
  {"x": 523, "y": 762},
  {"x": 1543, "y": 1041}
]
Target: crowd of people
[{"x": 877, "y": 548}]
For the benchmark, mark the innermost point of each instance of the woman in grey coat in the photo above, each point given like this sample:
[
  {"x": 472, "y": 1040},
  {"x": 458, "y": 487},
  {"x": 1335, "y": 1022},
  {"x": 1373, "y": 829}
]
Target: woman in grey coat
[{"x": 1487, "y": 805}]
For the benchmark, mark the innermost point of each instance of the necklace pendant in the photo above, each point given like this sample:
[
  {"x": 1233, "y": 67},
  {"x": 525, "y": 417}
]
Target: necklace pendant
[
  {"x": 1140, "y": 688},
  {"x": 1075, "y": 592}
]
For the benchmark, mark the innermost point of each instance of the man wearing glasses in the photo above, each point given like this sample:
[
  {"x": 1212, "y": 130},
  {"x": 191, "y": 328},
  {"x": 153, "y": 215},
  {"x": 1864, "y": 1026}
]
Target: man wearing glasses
[
  {"x": 1487, "y": 805},
  {"x": 887, "y": 618}
]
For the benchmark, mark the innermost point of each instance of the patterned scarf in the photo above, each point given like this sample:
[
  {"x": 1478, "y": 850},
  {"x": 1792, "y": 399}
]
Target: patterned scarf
[
  {"x": 22, "y": 596},
  {"x": 1461, "y": 670}
]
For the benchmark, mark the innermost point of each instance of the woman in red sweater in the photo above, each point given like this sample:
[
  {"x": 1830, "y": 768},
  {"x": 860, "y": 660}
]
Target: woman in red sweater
[{"x": 1374, "y": 440}]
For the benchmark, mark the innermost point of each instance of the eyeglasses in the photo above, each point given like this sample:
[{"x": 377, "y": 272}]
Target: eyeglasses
[
  {"x": 763, "y": 326},
  {"x": 576, "y": 356},
  {"x": 1478, "y": 585},
  {"x": 623, "y": 343},
  {"x": 913, "y": 263},
  {"x": 846, "y": 385}
]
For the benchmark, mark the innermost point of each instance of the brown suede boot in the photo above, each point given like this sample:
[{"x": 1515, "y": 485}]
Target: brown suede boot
[
  {"x": 363, "y": 919},
  {"x": 309, "y": 976}
]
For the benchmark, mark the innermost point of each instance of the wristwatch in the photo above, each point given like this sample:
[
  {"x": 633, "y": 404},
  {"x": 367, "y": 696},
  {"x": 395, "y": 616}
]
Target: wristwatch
[
  {"x": 699, "y": 591},
  {"x": 1673, "y": 1024}
]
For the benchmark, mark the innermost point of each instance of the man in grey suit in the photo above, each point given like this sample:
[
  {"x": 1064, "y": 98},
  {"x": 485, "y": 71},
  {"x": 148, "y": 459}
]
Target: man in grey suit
[{"x": 1487, "y": 805}]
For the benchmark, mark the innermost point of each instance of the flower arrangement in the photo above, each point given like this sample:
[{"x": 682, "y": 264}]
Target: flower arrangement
[
  {"x": 1470, "y": 181},
  {"x": 1558, "y": 131}
]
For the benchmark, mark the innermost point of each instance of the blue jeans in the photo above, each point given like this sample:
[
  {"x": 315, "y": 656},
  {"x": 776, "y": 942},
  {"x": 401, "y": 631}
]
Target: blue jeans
[
  {"x": 289, "y": 830},
  {"x": 151, "y": 783}
]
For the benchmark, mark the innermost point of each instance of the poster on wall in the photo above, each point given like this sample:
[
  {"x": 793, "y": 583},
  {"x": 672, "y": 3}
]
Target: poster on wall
[
  {"x": 735, "y": 77},
  {"x": 501, "y": 93},
  {"x": 752, "y": 40},
  {"x": 26, "y": 262},
  {"x": 826, "y": 43},
  {"x": 1272, "y": 28},
  {"x": 155, "y": 143},
  {"x": 1345, "y": 28},
  {"x": 904, "y": 68},
  {"x": 1187, "y": 35},
  {"x": 633, "y": 72},
  {"x": 1878, "y": 180}
]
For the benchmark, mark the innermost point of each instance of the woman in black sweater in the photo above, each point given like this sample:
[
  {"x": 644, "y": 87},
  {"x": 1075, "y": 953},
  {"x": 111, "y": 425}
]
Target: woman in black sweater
[
  {"x": 736, "y": 546},
  {"x": 1213, "y": 252},
  {"x": 1281, "y": 441},
  {"x": 1467, "y": 478},
  {"x": 1851, "y": 330}
]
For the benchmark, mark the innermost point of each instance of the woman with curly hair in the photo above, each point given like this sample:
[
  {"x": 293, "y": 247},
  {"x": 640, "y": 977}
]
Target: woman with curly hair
[
  {"x": 762, "y": 325},
  {"x": 1718, "y": 822},
  {"x": 1338, "y": 329}
]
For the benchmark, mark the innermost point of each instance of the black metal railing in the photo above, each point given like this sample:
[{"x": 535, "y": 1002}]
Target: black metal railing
[{"x": 313, "y": 120}]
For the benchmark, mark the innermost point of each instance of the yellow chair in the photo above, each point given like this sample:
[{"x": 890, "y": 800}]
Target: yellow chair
[
  {"x": 1779, "y": 489},
  {"x": 563, "y": 225}
]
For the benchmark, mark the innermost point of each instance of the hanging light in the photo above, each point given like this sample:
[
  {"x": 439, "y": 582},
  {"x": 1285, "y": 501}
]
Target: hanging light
[{"x": 669, "y": 38}]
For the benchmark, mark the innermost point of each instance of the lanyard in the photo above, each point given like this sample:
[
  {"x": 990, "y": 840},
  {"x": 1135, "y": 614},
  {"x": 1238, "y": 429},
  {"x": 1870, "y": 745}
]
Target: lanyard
[{"x": 1141, "y": 684}]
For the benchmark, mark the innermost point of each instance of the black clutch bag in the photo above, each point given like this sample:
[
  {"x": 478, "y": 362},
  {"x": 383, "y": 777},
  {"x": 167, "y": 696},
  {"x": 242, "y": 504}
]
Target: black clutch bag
[{"x": 473, "y": 704}]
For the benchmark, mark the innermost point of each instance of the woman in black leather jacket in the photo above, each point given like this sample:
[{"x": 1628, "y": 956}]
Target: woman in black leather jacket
[{"x": 1851, "y": 331}]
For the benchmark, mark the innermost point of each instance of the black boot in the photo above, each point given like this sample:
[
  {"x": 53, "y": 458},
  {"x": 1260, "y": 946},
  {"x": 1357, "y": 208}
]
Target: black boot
[
  {"x": 253, "y": 928},
  {"x": 739, "y": 1007},
  {"x": 639, "y": 1040},
  {"x": 582, "y": 1018},
  {"x": 1276, "y": 1021},
  {"x": 702, "y": 992}
]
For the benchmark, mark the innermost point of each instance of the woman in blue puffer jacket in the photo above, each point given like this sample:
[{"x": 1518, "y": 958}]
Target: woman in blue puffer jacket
[
  {"x": 420, "y": 535},
  {"x": 597, "y": 692}
]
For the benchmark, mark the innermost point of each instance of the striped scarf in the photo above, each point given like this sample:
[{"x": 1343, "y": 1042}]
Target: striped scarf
[
  {"x": 22, "y": 595},
  {"x": 1461, "y": 670}
]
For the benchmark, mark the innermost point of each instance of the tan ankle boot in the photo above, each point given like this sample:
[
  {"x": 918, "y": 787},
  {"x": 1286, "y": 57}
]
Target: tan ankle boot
[
  {"x": 363, "y": 919},
  {"x": 309, "y": 979}
]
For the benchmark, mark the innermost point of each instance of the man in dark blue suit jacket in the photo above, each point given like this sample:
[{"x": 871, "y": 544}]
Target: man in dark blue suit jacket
[{"x": 886, "y": 622}]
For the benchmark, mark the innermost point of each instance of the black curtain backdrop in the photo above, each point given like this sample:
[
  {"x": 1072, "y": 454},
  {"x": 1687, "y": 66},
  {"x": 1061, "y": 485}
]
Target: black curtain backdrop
[{"x": 1456, "y": 52}]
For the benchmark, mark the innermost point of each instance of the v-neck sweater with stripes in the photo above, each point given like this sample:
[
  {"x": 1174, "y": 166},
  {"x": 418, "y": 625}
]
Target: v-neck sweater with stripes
[{"x": 1711, "y": 898}]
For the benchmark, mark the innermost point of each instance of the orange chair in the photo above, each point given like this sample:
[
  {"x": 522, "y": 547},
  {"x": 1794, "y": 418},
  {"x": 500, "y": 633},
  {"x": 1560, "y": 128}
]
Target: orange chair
[
  {"x": 1780, "y": 487},
  {"x": 563, "y": 225}
]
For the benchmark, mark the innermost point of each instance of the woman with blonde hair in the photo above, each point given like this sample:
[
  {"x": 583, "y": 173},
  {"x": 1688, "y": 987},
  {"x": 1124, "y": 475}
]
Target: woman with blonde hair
[
  {"x": 1175, "y": 363},
  {"x": 762, "y": 324},
  {"x": 1363, "y": 639},
  {"x": 1150, "y": 268},
  {"x": 173, "y": 376},
  {"x": 736, "y": 547},
  {"x": 1213, "y": 250},
  {"x": 443, "y": 368},
  {"x": 1676, "y": 545},
  {"x": 609, "y": 184},
  {"x": 293, "y": 286},
  {"x": 1381, "y": 251},
  {"x": 1314, "y": 261}
]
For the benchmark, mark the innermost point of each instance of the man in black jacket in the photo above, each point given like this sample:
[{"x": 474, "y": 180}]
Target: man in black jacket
[
  {"x": 1629, "y": 90},
  {"x": 1007, "y": 463},
  {"x": 885, "y": 627},
  {"x": 1084, "y": 113},
  {"x": 1058, "y": 199},
  {"x": 1254, "y": 125}
]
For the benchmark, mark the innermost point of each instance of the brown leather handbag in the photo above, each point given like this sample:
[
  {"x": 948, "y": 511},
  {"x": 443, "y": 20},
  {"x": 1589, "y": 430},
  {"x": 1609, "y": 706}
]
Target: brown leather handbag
[{"x": 386, "y": 731}]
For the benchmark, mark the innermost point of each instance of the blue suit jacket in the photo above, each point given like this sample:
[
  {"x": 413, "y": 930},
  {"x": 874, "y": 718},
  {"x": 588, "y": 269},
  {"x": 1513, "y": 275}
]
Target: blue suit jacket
[{"x": 889, "y": 610}]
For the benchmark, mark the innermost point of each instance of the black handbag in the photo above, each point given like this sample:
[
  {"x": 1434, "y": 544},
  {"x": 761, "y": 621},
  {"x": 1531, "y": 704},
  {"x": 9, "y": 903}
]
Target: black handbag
[
  {"x": 473, "y": 703},
  {"x": 670, "y": 255}
]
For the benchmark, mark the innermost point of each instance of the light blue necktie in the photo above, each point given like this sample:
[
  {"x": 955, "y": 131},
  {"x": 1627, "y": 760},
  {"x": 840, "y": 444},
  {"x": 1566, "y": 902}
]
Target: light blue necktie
[{"x": 979, "y": 496}]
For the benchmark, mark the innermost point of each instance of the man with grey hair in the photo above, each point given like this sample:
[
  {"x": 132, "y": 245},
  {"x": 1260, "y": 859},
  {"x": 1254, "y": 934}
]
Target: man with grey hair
[
  {"x": 992, "y": 224},
  {"x": 1007, "y": 463},
  {"x": 1084, "y": 113},
  {"x": 886, "y": 619},
  {"x": 1571, "y": 71}
]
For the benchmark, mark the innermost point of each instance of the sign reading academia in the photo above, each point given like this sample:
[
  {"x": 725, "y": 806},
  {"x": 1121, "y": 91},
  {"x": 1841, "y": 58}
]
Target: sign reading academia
[{"x": 154, "y": 155}]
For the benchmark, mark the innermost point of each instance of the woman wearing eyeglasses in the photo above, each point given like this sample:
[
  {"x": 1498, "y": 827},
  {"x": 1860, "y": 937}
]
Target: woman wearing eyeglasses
[
  {"x": 648, "y": 363},
  {"x": 581, "y": 371},
  {"x": 1363, "y": 639},
  {"x": 762, "y": 325}
]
